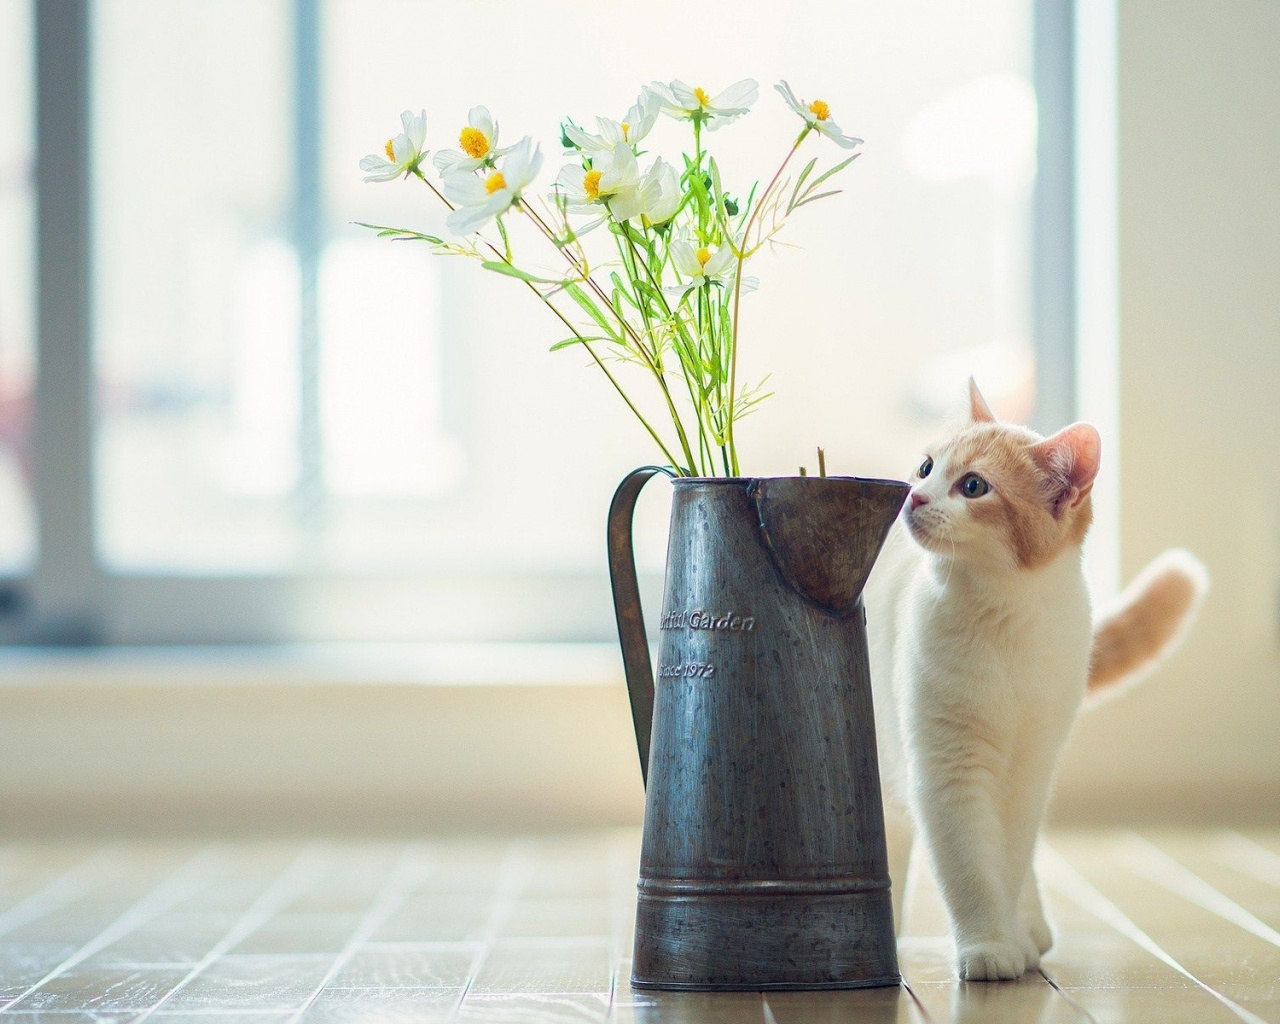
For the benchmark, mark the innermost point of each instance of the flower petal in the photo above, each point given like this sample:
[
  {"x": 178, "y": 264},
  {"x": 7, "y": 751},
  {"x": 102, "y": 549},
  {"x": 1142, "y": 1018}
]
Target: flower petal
[
  {"x": 466, "y": 220},
  {"x": 739, "y": 95},
  {"x": 721, "y": 260},
  {"x": 451, "y": 161},
  {"x": 683, "y": 257},
  {"x": 479, "y": 119},
  {"x": 832, "y": 131},
  {"x": 465, "y": 189},
  {"x": 584, "y": 140},
  {"x": 723, "y": 119},
  {"x": 685, "y": 96},
  {"x": 626, "y": 204},
  {"x": 791, "y": 100},
  {"x": 415, "y": 128},
  {"x": 533, "y": 164}
]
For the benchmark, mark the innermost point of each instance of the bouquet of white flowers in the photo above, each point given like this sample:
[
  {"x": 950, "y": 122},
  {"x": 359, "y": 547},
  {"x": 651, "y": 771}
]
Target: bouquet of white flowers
[{"x": 667, "y": 294}]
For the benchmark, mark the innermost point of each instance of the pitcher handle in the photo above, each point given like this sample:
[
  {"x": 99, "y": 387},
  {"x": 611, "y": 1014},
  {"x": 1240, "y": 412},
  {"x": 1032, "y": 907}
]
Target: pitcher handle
[{"x": 626, "y": 606}]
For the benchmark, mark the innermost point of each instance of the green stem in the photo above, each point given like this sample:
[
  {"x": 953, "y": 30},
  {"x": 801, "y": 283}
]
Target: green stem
[
  {"x": 632, "y": 258},
  {"x": 671, "y": 459},
  {"x": 627, "y": 329},
  {"x": 690, "y": 367},
  {"x": 737, "y": 293}
]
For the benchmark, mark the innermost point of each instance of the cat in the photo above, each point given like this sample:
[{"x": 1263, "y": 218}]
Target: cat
[{"x": 983, "y": 650}]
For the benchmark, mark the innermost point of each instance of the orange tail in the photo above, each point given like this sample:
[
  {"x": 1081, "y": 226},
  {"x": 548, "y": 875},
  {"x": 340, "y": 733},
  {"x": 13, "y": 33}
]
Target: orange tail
[{"x": 1147, "y": 623}]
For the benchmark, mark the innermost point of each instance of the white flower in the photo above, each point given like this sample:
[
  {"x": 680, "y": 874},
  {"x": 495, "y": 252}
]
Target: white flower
[
  {"x": 693, "y": 103},
  {"x": 612, "y": 180},
  {"x": 660, "y": 194},
  {"x": 817, "y": 115},
  {"x": 404, "y": 152},
  {"x": 634, "y": 126},
  {"x": 699, "y": 266},
  {"x": 479, "y": 142},
  {"x": 481, "y": 197}
]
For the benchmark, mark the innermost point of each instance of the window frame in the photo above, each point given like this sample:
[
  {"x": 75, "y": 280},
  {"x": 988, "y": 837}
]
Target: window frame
[{"x": 71, "y": 599}]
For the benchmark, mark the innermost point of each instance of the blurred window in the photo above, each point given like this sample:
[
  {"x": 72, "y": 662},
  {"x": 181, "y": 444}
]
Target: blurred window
[
  {"x": 302, "y": 431},
  {"x": 17, "y": 267}
]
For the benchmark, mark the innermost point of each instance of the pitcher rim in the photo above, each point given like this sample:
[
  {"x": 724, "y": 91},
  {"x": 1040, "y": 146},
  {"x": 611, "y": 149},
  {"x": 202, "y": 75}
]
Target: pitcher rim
[{"x": 741, "y": 480}]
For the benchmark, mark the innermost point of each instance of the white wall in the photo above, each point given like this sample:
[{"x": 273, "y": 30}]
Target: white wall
[{"x": 1199, "y": 407}]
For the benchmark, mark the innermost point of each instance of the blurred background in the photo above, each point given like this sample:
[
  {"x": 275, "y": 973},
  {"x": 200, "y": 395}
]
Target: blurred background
[{"x": 300, "y": 528}]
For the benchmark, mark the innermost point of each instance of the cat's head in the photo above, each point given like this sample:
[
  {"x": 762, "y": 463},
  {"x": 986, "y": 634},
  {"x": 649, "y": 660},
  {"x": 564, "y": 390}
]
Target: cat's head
[{"x": 1001, "y": 494}]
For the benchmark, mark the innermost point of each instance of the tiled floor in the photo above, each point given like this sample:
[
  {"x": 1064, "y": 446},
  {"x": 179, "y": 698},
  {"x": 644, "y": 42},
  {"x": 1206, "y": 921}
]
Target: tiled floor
[{"x": 1153, "y": 927}]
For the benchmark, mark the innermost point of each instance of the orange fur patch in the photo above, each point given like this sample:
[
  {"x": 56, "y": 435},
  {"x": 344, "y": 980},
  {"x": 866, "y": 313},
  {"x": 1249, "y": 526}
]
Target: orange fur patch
[
  {"x": 1021, "y": 505},
  {"x": 1148, "y": 622}
]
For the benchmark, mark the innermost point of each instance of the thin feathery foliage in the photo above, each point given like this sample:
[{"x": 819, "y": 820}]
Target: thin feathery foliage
[{"x": 643, "y": 268}]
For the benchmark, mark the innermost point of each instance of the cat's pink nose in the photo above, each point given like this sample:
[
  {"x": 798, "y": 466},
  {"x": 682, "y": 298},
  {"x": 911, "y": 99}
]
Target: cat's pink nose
[{"x": 918, "y": 499}]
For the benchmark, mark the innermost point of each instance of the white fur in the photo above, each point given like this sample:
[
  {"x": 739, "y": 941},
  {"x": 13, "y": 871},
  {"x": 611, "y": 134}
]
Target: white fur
[{"x": 978, "y": 669}]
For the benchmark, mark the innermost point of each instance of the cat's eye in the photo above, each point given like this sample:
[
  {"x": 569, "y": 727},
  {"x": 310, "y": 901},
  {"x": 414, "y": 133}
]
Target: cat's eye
[
  {"x": 973, "y": 486},
  {"x": 926, "y": 468}
]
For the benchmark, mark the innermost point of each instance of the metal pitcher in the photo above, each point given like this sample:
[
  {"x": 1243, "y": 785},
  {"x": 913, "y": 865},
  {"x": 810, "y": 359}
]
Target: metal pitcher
[{"x": 763, "y": 863}]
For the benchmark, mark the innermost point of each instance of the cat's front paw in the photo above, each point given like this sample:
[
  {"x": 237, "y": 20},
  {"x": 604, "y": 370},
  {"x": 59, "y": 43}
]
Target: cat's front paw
[{"x": 991, "y": 961}]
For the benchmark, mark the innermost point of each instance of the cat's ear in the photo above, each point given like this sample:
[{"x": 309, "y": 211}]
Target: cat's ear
[
  {"x": 1070, "y": 460},
  {"x": 979, "y": 411}
]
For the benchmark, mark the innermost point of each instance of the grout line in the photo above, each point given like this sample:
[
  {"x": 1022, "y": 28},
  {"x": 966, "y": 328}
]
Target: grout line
[
  {"x": 509, "y": 881},
  {"x": 404, "y": 876},
  {"x": 1082, "y": 892},
  {"x": 1241, "y": 853},
  {"x": 613, "y": 988},
  {"x": 58, "y": 893},
  {"x": 294, "y": 880},
  {"x": 1062, "y": 992},
  {"x": 159, "y": 899},
  {"x": 920, "y": 1007},
  {"x": 1157, "y": 866}
]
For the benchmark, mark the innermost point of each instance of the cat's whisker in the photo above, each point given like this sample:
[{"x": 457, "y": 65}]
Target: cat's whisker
[{"x": 951, "y": 564}]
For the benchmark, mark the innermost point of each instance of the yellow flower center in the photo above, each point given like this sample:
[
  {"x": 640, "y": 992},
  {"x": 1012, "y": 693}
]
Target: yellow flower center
[
  {"x": 591, "y": 184},
  {"x": 626, "y": 128},
  {"x": 391, "y": 150},
  {"x": 704, "y": 257},
  {"x": 494, "y": 182},
  {"x": 473, "y": 142},
  {"x": 702, "y": 96},
  {"x": 820, "y": 110}
]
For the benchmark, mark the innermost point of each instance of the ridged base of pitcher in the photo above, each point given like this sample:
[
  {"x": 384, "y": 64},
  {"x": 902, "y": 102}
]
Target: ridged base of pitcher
[{"x": 756, "y": 936}]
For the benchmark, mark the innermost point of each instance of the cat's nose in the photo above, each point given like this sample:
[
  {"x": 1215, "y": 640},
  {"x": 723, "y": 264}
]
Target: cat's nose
[{"x": 918, "y": 499}]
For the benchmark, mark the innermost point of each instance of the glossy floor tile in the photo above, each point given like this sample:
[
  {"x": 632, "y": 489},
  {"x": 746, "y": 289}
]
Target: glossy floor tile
[{"x": 1154, "y": 926}]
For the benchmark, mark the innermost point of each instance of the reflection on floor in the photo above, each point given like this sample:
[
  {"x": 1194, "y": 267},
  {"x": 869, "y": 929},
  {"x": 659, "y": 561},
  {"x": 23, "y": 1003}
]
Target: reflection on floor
[{"x": 1170, "y": 926}]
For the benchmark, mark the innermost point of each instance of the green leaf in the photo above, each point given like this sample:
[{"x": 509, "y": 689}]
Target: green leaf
[
  {"x": 576, "y": 340},
  {"x": 834, "y": 170},
  {"x": 498, "y": 267},
  {"x": 589, "y": 307},
  {"x": 813, "y": 199},
  {"x": 751, "y": 198},
  {"x": 698, "y": 189},
  {"x": 401, "y": 233},
  {"x": 805, "y": 173}
]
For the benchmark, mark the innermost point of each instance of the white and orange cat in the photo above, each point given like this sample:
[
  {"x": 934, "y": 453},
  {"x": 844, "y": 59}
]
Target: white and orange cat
[{"x": 983, "y": 649}]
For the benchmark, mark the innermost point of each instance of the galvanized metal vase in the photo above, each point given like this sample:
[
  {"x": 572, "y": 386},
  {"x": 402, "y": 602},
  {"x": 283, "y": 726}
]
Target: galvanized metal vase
[{"x": 763, "y": 863}]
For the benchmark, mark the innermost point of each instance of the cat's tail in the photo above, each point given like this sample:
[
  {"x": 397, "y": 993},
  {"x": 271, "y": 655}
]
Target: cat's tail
[{"x": 1146, "y": 624}]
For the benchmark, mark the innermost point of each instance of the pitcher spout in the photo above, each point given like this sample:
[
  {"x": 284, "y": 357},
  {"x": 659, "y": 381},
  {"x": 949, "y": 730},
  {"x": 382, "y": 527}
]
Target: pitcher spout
[{"x": 825, "y": 533}]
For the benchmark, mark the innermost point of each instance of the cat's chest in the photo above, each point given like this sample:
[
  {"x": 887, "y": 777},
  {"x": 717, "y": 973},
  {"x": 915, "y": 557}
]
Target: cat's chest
[{"x": 992, "y": 650}]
